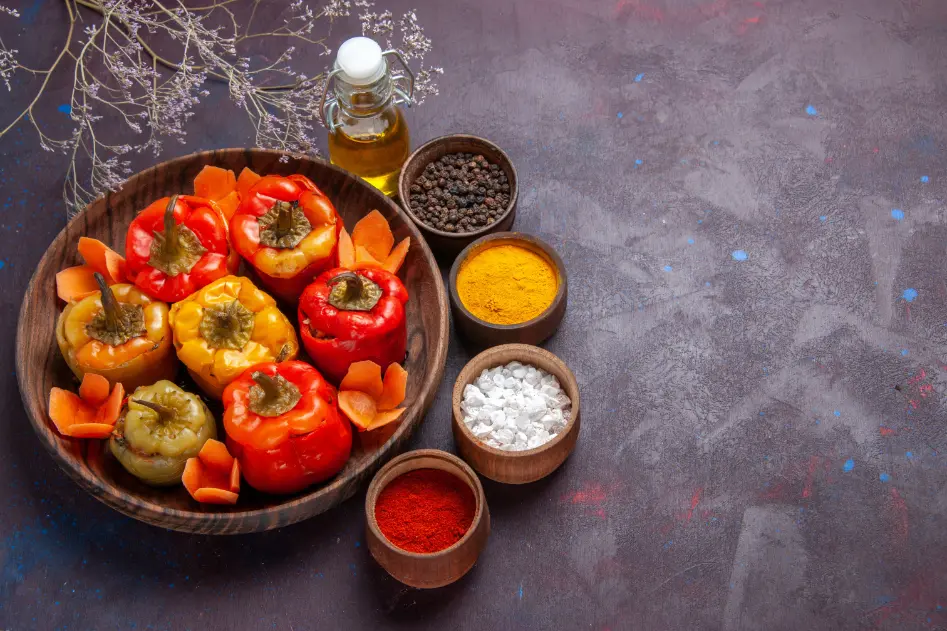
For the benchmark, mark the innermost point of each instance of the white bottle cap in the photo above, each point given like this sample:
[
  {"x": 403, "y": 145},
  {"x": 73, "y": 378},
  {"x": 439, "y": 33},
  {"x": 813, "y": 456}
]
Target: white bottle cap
[{"x": 360, "y": 61}]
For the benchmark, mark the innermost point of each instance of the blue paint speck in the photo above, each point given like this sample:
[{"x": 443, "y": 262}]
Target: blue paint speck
[
  {"x": 904, "y": 352},
  {"x": 811, "y": 111},
  {"x": 638, "y": 162},
  {"x": 3, "y": 264},
  {"x": 639, "y": 78},
  {"x": 668, "y": 268},
  {"x": 668, "y": 544},
  {"x": 884, "y": 477},
  {"x": 707, "y": 284},
  {"x": 716, "y": 142},
  {"x": 620, "y": 114},
  {"x": 739, "y": 255},
  {"x": 65, "y": 108},
  {"x": 849, "y": 465},
  {"x": 925, "y": 179},
  {"x": 823, "y": 218},
  {"x": 521, "y": 592},
  {"x": 897, "y": 213},
  {"x": 909, "y": 294},
  {"x": 909, "y": 454},
  {"x": 700, "y": 221},
  {"x": 690, "y": 242},
  {"x": 837, "y": 413}
]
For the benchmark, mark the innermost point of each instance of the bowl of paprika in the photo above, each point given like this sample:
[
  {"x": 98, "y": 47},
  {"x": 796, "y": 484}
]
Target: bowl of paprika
[
  {"x": 426, "y": 517},
  {"x": 508, "y": 288}
]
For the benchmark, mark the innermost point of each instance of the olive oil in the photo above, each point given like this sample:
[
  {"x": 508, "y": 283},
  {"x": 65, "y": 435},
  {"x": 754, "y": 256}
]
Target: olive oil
[
  {"x": 373, "y": 148},
  {"x": 368, "y": 135}
]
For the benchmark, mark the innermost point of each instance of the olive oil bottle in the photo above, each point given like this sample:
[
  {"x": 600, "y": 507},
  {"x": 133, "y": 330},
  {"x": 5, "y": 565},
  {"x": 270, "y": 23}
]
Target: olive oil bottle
[{"x": 368, "y": 135}]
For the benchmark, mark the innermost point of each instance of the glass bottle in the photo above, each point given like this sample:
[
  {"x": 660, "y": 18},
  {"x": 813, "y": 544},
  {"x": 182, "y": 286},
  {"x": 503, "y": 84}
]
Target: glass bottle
[{"x": 368, "y": 135}]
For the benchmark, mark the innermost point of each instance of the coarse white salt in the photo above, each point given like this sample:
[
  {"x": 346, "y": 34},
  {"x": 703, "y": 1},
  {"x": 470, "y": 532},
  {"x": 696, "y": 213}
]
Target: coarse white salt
[{"x": 515, "y": 407}]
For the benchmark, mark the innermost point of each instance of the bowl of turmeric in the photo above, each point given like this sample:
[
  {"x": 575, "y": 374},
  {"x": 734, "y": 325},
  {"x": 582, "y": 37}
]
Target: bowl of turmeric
[{"x": 506, "y": 288}]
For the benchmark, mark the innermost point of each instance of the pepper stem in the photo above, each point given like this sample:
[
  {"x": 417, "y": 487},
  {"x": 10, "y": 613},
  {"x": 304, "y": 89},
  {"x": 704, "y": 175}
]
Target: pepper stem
[
  {"x": 353, "y": 285},
  {"x": 113, "y": 317},
  {"x": 271, "y": 389},
  {"x": 170, "y": 229},
  {"x": 285, "y": 222},
  {"x": 165, "y": 413}
]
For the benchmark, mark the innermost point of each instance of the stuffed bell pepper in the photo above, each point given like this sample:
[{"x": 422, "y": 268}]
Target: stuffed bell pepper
[
  {"x": 119, "y": 333},
  {"x": 288, "y": 230},
  {"x": 177, "y": 245},
  {"x": 161, "y": 427},
  {"x": 283, "y": 427},
  {"x": 225, "y": 328},
  {"x": 348, "y": 316}
]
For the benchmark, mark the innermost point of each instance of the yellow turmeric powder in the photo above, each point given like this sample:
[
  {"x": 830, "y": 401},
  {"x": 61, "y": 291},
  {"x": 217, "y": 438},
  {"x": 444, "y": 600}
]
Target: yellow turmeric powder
[{"x": 506, "y": 284}]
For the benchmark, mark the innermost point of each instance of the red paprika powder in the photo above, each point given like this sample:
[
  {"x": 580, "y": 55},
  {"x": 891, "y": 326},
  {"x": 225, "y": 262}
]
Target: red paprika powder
[{"x": 425, "y": 510}]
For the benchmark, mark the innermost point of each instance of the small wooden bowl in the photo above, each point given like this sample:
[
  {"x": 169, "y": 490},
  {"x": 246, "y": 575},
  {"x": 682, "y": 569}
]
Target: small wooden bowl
[
  {"x": 482, "y": 333},
  {"x": 516, "y": 467},
  {"x": 446, "y": 245},
  {"x": 441, "y": 568}
]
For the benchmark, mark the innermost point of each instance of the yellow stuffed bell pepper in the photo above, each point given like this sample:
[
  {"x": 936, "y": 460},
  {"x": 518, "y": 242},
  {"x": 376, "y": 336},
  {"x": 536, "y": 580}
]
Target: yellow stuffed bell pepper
[
  {"x": 226, "y": 327},
  {"x": 119, "y": 333}
]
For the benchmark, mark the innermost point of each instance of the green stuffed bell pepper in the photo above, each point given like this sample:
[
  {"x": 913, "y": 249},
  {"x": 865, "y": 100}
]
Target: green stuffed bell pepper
[{"x": 161, "y": 427}]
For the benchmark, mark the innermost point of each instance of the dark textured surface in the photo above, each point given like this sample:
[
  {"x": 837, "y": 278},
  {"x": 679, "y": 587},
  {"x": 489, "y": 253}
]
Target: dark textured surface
[{"x": 721, "y": 398}]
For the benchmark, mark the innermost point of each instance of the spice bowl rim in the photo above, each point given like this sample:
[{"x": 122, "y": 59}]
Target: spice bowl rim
[
  {"x": 506, "y": 164},
  {"x": 374, "y": 490},
  {"x": 552, "y": 256},
  {"x": 467, "y": 376}
]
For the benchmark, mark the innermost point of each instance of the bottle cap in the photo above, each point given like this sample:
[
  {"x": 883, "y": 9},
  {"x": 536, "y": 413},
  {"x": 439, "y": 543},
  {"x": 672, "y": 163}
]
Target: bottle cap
[{"x": 360, "y": 61}]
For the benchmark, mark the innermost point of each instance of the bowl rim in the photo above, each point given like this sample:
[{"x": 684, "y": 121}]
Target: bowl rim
[
  {"x": 403, "y": 187},
  {"x": 375, "y": 488},
  {"x": 173, "y": 518},
  {"x": 510, "y": 236},
  {"x": 459, "y": 385}
]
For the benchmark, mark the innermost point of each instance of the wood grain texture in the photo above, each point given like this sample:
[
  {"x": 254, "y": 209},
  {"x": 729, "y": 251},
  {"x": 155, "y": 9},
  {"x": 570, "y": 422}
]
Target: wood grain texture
[
  {"x": 516, "y": 467},
  {"x": 439, "y": 568},
  {"x": 446, "y": 245},
  {"x": 40, "y": 365},
  {"x": 482, "y": 334}
]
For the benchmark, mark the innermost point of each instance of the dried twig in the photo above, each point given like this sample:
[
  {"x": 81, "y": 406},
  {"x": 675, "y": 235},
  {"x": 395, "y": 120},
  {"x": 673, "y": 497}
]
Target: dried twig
[{"x": 119, "y": 74}]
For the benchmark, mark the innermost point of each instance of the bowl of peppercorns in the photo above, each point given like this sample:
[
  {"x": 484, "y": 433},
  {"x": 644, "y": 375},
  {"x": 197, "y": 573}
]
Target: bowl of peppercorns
[{"x": 457, "y": 189}]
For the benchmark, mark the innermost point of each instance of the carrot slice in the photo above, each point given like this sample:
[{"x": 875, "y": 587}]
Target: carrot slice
[
  {"x": 193, "y": 473},
  {"x": 396, "y": 382},
  {"x": 358, "y": 407},
  {"x": 394, "y": 260},
  {"x": 214, "y": 455},
  {"x": 94, "y": 389},
  {"x": 102, "y": 259},
  {"x": 207, "y": 495},
  {"x": 214, "y": 183},
  {"x": 346, "y": 250},
  {"x": 66, "y": 409},
  {"x": 364, "y": 259},
  {"x": 109, "y": 411},
  {"x": 228, "y": 204},
  {"x": 76, "y": 283},
  {"x": 373, "y": 233},
  {"x": 247, "y": 179},
  {"x": 89, "y": 430},
  {"x": 383, "y": 418},
  {"x": 235, "y": 477},
  {"x": 364, "y": 376}
]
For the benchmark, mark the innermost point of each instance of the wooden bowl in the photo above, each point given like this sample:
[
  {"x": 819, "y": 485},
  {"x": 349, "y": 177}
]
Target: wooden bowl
[
  {"x": 516, "y": 467},
  {"x": 40, "y": 365},
  {"x": 447, "y": 245},
  {"x": 439, "y": 568},
  {"x": 482, "y": 333}
]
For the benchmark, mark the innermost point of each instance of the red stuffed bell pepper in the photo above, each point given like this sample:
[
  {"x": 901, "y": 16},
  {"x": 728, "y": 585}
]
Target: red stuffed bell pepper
[
  {"x": 347, "y": 316},
  {"x": 289, "y": 232},
  {"x": 283, "y": 426},
  {"x": 177, "y": 245}
]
